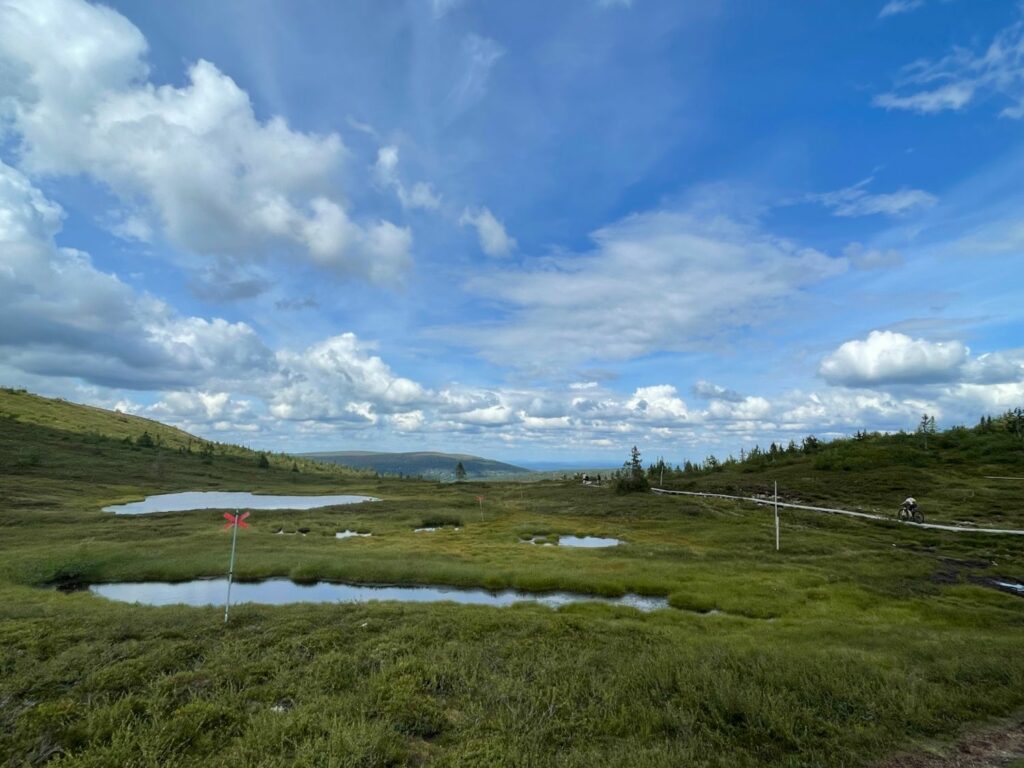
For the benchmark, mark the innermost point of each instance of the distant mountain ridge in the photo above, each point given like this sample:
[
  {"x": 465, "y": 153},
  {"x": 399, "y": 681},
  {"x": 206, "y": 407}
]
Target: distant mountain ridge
[{"x": 429, "y": 464}]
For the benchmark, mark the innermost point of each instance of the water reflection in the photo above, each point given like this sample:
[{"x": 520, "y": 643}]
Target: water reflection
[
  {"x": 192, "y": 500},
  {"x": 283, "y": 592},
  {"x": 588, "y": 542},
  {"x": 350, "y": 534}
]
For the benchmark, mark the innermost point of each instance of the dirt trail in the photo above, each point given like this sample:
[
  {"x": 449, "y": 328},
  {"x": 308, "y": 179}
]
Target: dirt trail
[
  {"x": 848, "y": 512},
  {"x": 999, "y": 746}
]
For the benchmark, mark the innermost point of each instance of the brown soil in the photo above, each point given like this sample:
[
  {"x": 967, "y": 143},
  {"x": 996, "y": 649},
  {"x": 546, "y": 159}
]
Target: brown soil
[{"x": 999, "y": 746}]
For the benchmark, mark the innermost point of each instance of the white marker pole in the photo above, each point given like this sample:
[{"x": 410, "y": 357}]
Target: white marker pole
[
  {"x": 231, "y": 567},
  {"x": 776, "y": 515}
]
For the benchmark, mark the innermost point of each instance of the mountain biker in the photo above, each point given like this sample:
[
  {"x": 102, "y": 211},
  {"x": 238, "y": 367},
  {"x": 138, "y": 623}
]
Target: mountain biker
[{"x": 909, "y": 507}]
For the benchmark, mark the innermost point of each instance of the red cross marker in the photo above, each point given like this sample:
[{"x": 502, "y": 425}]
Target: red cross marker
[{"x": 234, "y": 520}]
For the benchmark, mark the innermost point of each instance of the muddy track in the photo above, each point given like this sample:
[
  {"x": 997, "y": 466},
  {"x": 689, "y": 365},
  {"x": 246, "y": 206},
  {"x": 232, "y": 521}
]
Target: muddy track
[
  {"x": 847, "y": 512},
  {"x": 996, "y": 746}
]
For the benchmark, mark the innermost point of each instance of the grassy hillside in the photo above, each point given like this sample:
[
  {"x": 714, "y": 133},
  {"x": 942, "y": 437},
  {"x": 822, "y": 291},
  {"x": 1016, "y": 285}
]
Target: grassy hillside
[
  {"x": 856, "y": 640},
  {"x": 949, "y": 473},
  {"x": 437, "y": 466},
  {"x": 48, "y": 446},
  {"x": 21, "y": 406}
]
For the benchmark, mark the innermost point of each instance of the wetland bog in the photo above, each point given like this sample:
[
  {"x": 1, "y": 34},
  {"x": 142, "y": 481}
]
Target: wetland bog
[{"x": 857, "y": 638}]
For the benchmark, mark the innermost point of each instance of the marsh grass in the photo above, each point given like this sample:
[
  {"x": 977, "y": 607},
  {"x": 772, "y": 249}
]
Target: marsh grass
[{"x": 853, "y": 640}]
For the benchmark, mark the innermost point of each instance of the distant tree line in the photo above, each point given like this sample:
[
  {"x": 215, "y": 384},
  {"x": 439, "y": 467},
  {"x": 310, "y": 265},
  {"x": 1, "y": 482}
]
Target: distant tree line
[{"x": 925, "y": 434}]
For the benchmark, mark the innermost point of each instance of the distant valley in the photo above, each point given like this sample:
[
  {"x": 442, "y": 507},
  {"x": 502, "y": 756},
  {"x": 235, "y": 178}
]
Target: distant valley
[{"x": 428, "y": 464}]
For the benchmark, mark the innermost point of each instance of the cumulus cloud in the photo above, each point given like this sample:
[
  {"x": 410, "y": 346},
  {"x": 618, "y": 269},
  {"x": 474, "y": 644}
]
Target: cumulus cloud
[
  {"x": 60, "y": 316},
  {"x": 385, "y": 168},
  {"x": 962, "y": 76},
  {"x": 886, "y": 357},
  {"x": 708, "y": 391},
  {"x": 218, "y": 179},
  {"x": 658, "y": 403},
  {"x": 494, "y": 240},
  {"x": 666, "y": 280},
  {"x": 385, "y": 171},
  {"x": 1002, "y": 367},
  {"x": 339, "y": 379},
  {"x": 855, "y": 200},
  {"x": 422, "y": 195}
]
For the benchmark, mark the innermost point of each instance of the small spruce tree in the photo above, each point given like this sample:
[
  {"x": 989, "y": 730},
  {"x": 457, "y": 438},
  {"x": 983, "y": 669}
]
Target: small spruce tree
[{"x": 631, "y": 478}]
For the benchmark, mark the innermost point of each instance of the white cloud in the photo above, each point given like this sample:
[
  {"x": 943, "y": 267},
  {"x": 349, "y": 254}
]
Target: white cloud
[
  {"x": 331, "y": 379},
  {"x": 60, "y": 316},
  {"x": 855, "y": 200},
  {"x": 410, "y": 421},
  {"x": 218, "y": 179},
  {"x": 665, "y": 280},
  {"x": 422, "y": 195},
  {"x": 385, "y": 170},
  {"x": 886, "y": 357},
  {"x": 894, "y": 7},
  {"x": 950, "y": 96},
  {"x": 386, "y": 167},
  {"x": 494, "y": 240},
  {"x": 957, "y": 79},
  {"x": 1003, "y": 367},
  {"x": 708, "y": 391},
  {"x": 131, "y": 227},
  {"x": 659, "y": 403}
]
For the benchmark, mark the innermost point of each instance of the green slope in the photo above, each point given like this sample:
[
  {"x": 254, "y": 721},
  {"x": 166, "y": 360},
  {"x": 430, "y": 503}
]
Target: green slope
[
  {"x": 48, "y": 445},
  {"x": 427, "y": 464},
  {"x": 953, "y": 474}
]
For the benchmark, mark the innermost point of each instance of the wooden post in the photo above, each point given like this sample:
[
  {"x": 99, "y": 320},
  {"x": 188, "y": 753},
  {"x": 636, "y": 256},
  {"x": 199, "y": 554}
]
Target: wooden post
[{"x": 231, "y": 566}]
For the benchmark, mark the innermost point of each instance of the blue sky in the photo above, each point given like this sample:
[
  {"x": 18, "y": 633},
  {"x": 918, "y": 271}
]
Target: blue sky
[{"x": 534, "y": 231}]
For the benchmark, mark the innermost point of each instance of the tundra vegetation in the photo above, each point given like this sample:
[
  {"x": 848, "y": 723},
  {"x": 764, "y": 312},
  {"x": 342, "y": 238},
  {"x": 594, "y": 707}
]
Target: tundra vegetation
[{"x": 857, "y": 640}]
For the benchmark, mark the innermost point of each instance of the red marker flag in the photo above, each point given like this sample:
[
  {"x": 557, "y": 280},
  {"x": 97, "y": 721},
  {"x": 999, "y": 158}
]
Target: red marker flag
[{"x": 235, "y": 520}]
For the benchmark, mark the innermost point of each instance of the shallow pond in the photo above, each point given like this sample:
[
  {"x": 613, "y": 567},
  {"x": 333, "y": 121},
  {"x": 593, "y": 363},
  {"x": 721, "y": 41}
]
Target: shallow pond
[
  {"x": 350, "y": 534},
  {"x": 191, "y": 500},
  {"x": 283, "y": 591},
  {"x": 587, "y": 542}
]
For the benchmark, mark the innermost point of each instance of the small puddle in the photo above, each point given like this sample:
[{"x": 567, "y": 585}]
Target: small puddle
[
  {"x": 540, "y": 540},
  {"x": 204, "y": 592},
  {"x": 1010, "y": 585},
  {"x": 195, "y": 500},
  {"x": 432, "y": 528},
  {"x": 350, "y": 534},
  {"x": 587, "y": 542}
]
